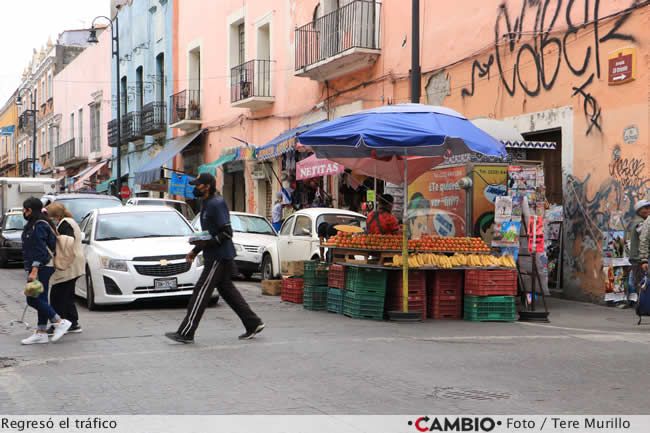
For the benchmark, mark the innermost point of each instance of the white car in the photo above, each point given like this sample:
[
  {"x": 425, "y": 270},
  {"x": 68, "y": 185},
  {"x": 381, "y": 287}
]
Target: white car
[
  {"x": 136, "y": 252},
  {"x": 298, "y": 239},
  {"x": 179, "y": 205},
  {"x": 256, "y": 244}
]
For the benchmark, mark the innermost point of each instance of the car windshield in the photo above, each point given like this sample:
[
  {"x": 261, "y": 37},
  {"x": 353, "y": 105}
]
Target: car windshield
[
  {"x": 138, "y": 225},
  {"x": 339, "y": 219},
  {"x": 251, "y": 224},
  {"x": 80, "y": 207},
  {"x": 183, "y": 208},
  {"x": 13, "y": 222}
]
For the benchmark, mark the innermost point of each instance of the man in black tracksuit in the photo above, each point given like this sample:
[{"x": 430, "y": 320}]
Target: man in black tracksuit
[{"x": 218, "y": 255}]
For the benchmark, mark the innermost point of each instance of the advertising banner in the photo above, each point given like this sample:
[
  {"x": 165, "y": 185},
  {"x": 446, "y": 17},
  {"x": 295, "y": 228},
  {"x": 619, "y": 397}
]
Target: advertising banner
[{"x": 490, "y": 182}]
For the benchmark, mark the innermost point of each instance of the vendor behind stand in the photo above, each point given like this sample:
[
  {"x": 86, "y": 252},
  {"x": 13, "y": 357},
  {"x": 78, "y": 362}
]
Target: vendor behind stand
[{"x": 382, "y": 221}]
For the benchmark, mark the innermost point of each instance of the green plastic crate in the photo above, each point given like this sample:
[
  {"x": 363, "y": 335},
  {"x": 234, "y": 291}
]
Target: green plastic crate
[
  {"x": 315, "y": 273},
  {"x": 489, "y": 308},
  {"x": 363, "y": 314},
  {"x": 363, "y": 279}
]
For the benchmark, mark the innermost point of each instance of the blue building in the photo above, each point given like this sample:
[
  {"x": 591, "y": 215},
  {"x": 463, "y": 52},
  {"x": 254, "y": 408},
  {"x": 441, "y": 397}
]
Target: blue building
[{"x": 146, "y": 82}]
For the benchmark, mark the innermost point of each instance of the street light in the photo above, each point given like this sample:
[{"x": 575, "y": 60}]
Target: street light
[
  {"x": 19, "y": 102},
  {"x": 115, "y": 51}
]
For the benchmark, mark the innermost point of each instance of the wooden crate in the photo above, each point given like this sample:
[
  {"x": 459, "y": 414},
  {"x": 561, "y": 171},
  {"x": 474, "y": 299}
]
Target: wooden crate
[
  {"x": 272, "y": 287},
  {"x": 293, "y": 269}
]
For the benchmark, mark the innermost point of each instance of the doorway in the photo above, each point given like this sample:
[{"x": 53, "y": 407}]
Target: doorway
[
  {"x": 234, "y": 186},
  {"x": 552, "y": 160}
]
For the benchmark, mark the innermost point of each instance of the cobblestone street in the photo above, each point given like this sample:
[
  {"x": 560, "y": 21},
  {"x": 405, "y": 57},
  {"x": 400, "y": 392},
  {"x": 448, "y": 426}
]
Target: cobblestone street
[{"x": 587, "y": 360}]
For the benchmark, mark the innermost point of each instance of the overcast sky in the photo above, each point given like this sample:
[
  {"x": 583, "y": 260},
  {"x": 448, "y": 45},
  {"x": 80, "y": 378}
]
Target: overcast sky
[{"x": 26, "y": 24}]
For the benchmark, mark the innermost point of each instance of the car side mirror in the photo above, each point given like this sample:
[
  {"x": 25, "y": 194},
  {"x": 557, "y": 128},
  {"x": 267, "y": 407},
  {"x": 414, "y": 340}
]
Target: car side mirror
[{"x": 84, "y": 238}]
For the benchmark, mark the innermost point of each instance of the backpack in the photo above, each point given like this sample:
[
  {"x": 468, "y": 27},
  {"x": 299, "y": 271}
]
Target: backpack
[{"x": 65, "y": 250}]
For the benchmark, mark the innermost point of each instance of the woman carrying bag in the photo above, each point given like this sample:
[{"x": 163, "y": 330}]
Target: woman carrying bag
[
  {"x": 39, "y": 243},
  {"x": 64, "y": 279}
]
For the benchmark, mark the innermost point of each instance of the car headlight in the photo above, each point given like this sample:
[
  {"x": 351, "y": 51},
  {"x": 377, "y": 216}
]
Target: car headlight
[
  {"x": 239, "y": 248},
  {"x": 199, "y": 260},
  {"x": 114, "y": 264}
]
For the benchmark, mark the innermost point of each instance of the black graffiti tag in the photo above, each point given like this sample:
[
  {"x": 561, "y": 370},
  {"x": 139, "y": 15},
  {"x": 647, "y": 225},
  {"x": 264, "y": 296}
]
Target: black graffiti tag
[
  {"x": 590, "y": 105},
  {"x": 628, "y": 172}
]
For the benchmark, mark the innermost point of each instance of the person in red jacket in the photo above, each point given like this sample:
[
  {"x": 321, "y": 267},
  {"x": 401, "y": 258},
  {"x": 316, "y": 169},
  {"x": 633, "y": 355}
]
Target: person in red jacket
[{"x": 382, "y": 221}]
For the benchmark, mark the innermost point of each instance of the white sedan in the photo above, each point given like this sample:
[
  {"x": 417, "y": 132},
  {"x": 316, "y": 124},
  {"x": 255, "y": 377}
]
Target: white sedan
[
  {"x": 256, "y": 244},
  {"x": 134, "y": 253},
  {"x": 299, "y": 239}
]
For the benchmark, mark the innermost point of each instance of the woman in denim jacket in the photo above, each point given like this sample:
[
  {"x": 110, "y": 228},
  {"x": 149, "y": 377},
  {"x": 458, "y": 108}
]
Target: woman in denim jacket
[{"x": 39, "y": 245}]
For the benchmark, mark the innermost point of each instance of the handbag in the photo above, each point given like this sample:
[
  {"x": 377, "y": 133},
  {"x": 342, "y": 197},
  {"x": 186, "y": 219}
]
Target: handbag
[
  {"x": 65, "y": 250},
  {"x": 33, "y": 289}
]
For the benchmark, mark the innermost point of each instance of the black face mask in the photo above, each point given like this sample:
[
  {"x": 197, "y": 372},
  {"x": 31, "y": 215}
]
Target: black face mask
[
  {"x": 25, "y": 216},
  {"x": 197, "y": 192}
]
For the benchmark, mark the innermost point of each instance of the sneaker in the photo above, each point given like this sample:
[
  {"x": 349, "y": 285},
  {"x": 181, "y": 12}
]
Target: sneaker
[
  {"x": 75, "y": 329},
  {"x": 251, "y": 334},
  {"x": 175, "y": 336},
  {"x": 60, "y": 329},
  {"x": 36, "y": 338}
]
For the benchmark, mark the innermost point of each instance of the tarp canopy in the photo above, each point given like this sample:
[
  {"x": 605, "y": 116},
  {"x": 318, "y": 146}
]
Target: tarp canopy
[
  {"x": 81, "y": 178},
  {"x": 211, "y": 167},
  {"x": 509, "y": 135},
  {"x": 403, "y": 129},
  {"x": 283, "y": 142},
  {"x": 150, "y": 172}
]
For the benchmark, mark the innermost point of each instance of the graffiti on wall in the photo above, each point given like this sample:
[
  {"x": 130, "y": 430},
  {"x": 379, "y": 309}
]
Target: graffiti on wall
[{"x": 548, "y": 50}]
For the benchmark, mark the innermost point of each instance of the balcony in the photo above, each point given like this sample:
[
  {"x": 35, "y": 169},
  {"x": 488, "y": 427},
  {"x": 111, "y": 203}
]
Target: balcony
[
  {"x": 68, "y": 154},
  {"x": 25, "y": 167},
  {"x": 251, "y": 85},
  {"x": 112, "y": 133},
  {"x": 131, "y": 127},
  {"x": 185, "y": 111},
  {"x": 26, "y": 121},
  {"x": 153, "y": 118},
  {"x": 4, "y": 162},
  {"x": 339, "y": 43}
]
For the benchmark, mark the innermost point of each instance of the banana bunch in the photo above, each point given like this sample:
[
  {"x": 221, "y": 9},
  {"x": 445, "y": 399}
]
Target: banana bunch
[{"x": 456, "y": 261}]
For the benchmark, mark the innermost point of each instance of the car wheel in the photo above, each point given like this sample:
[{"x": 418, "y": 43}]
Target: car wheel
[
  {"x": 90, "y": 292},
  {"x": 267, "y": 267},
  {"x": 247, "y": 275}
]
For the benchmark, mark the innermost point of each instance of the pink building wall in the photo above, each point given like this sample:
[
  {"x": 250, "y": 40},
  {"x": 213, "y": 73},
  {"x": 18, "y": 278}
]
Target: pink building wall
[{"x": 84, "y": 81}]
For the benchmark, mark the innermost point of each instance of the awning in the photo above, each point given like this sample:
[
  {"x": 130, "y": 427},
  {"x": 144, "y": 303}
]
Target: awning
[
  {"x": 104, "y": 186},
  {"x": 81, "y": 178},
  {"x": 283, "y": 142},
  {"x": 211, "y": 167},
  {"x": 150, "y": 172},
  {"x": 509, "y": 136}
]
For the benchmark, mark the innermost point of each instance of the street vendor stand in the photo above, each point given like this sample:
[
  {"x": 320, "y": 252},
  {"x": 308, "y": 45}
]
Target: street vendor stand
[{"x": 398, "y": 134}]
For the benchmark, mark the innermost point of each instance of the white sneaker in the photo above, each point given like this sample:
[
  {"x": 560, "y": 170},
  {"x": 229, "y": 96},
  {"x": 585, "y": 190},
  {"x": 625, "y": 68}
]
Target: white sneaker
[
  {"x": 36, "y": 338},
  {"x": 60, "y": 329}
]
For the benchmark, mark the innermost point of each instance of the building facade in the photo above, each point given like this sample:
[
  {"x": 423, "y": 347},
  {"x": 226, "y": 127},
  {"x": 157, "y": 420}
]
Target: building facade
[
  {"x": 37, "y": 87},
  {"x": 82, "y": 106},
  {"x": 146, "y": 82},
  {"x": 8, "y": 127}
]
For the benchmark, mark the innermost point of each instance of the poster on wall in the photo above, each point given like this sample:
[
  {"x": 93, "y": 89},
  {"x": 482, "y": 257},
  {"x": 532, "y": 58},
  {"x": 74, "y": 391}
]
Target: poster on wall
[
  {"x": 614, "y": 248},
  {"x": 490, "y": 182},
  {"x": 437, "y": 203},
  {"x": 503, "y": 209},
  {"x": 506, "y": 234}
]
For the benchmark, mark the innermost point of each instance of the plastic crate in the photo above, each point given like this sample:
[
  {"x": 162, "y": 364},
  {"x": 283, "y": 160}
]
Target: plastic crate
[
  {"x": 417, "y": 280},
  {"x": 335, "y": 300},
  {"x": 440, "y": 308},
  {"x": 445, "y": 283},
  {"x": 491, "y": 282},
  {"x": 365, "y": 279},
  {"x": 315, "y": 273},
  {"x": 364, "y": 296},
  {"x": 336, "y": 277},
  {"x": 358, "y": 313},
  {"x": 490, "y": 308},
  {"x": 293, "y": 283},
  {"x": 295, "y": 298}
]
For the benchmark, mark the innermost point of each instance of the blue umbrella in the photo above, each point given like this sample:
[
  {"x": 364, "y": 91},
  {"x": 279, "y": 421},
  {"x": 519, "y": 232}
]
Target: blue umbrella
[
  {"x": 401, "y": 130},
  {"x": 404, "y": 129}
]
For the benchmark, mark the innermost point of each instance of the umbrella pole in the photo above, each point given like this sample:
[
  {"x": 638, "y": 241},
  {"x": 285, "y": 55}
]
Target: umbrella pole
[{"x": 405, "y": 250}]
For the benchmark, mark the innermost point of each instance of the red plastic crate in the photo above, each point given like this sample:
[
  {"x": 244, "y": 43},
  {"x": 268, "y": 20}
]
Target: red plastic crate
[
  {"x": 440, "y": 308},
  {"x": 446, "y": 283},
  {"x": 293, "y": 283},
  {"x": 336, "y": 277},
  {"x": 417, "y": 281},
  {"x": 496, "y": 282}
]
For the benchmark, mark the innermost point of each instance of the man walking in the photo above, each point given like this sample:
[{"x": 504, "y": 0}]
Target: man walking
[
  {"x": 276, "y": 214},
  {"x": 218, "y": 254}
]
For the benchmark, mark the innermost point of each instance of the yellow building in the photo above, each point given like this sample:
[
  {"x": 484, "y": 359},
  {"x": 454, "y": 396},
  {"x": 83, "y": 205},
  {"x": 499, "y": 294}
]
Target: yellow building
[{"x": 8, "y": 127}]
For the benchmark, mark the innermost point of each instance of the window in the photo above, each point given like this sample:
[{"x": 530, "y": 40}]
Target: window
[
  {"x": 160, "y": 77},
  {"x": 95, "y": 122},
  {"x": 50, "y": 89},
  {"x": 286, "y": 227},
  {"x": 139, "y": 88},
  {"x": 71, "y": 126},
  {"x": 50, "y": 138},
  {"x": 43, "y": 146},
  {"x": 123, "y": 89},
  {"x": 241, "y": 41},
  {"x": 80, "y": 141},
  {"x": 303, "y": 226}
]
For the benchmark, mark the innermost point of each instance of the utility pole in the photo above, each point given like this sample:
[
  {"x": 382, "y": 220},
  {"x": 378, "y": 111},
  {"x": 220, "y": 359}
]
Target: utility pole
[{"x": 415, "y": 52}]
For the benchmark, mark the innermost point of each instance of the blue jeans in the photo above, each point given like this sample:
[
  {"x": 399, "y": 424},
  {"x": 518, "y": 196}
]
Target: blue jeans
[
  {"x": 277, "y": 226},
  {"x": 41, "y": 303}
]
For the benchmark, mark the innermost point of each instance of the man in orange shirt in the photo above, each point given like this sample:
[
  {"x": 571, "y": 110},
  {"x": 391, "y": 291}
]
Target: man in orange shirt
[{"x": 382, "y": 221}]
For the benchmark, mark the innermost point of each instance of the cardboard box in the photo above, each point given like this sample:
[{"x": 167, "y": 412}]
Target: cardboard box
[
  {"x": 293, "y": 269},
  {"x": 272, "y": 287}
]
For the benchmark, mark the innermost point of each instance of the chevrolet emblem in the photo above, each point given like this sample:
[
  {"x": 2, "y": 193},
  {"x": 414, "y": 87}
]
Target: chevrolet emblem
[{"x": 164, "y": 263}]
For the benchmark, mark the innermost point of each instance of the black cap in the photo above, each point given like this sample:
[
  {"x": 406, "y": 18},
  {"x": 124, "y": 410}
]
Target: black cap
[{"x": 204, "y": 179}]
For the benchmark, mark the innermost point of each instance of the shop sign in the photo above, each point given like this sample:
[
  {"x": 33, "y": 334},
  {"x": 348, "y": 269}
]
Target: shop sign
[
  {"x": 437, "y": 203},
  {"x": 234, "y": 167},
  {"x": 621, "y": 66},
  {"x": 318, "y": 168},
  {"x": 631, "y": 134},
  {"x": 371, "y": 195}
]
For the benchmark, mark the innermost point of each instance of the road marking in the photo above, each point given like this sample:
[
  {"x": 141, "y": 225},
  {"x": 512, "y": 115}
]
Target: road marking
[{"x": 566, "y": 328}]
